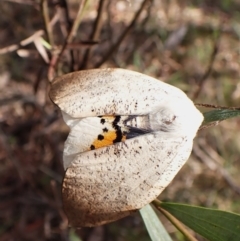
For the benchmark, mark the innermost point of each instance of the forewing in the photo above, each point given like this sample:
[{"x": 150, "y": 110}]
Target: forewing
[
  {"x": 111, "y": 92},
  {"x": 109, "y": 183}
]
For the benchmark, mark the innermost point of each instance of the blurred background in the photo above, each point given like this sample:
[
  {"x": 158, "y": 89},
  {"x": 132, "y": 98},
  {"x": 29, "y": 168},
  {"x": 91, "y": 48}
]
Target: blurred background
[{"x": 193, "y": 45}]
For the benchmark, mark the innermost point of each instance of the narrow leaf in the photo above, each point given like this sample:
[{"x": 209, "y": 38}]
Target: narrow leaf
[
  {"x": 156, "y": 230},
  {"x": 219, "y": 115},
  {"x": 215, "y": 225}
]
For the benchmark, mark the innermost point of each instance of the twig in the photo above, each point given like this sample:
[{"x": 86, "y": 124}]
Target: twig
[
  {"x": 27, "y": 2},
  {"x": 174, "y": 221},
  {"x": 77, "y": 21},
  {"x": 108, "y": 22},
  {"x": 217, "y": 107},
  {"x": 208, "y": 125},
  {"x": 65, "y": 26},
  {"x": 95, "y": 33},
  {"x": 24, "y": 42},
  {"x": 209, "y": 68},
  {"x": 137, "y": 44},
  {"x": 49, "y": 172},
  {"x": 116, "y": 45},
  {"x": 211, "y": 159},
  {"x": 57, "y": 197},
  {"x": 48, "y": 27},
  {"x": 55, "y": 60},
  {"x": 63, "y": 16}
]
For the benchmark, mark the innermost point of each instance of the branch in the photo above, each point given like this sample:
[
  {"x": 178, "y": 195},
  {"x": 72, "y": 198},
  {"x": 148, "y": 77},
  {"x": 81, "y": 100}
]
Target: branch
[{"x": 127, "y": 30}]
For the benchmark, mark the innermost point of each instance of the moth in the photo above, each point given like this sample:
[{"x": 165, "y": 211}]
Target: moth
[{"x": 129, "y": 136}]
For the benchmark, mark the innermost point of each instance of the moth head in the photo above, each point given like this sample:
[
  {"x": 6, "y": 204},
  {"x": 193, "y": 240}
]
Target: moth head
[{"x": 178, "y": 118}]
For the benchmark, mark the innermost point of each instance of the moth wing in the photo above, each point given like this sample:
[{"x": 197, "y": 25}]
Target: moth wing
[
  {"x": 112, "y": 92},
  {"x": 98, "y": 92},
  {"x": 81, "y": 136},
  {"x": 109, "y": 183}
]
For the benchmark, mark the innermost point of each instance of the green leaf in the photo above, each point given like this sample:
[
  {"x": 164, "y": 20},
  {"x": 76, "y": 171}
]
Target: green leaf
[
  {"x": 215, "y": 225},
  {"x": 156, "y": 230},
  {"x": 219, "y": 115},
  {"x": 73, "y": 236}
]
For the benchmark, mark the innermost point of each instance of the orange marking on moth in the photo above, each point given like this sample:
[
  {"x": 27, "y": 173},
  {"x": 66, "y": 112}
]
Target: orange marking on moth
[
  {"x": 107, "y": 139},
  {"x": 108, "y": 118}
]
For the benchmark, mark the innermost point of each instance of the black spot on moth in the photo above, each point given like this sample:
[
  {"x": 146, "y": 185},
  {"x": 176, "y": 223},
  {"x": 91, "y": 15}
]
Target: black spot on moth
[
  {"x": 102, "y": 121},
  {"x": 100, "y": 137}
]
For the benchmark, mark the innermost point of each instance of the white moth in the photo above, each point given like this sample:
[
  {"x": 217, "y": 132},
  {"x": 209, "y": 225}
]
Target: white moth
[{"x": 129, "y": 136}]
